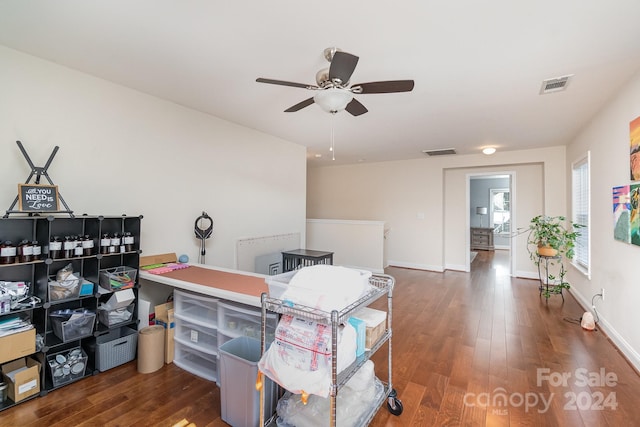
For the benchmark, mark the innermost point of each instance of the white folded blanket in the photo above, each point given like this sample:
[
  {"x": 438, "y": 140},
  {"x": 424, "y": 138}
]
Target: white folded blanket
[{"x": 327, "y": 287}]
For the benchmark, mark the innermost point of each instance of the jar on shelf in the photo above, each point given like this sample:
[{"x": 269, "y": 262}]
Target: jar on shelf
[
  {"x": 55, "y": 248},
  {"x": 68, "y": 247},
  {"x": 7, "y": 252},
  {"x": 37, "y": 250},
  {"x": 87, "y": 245},
  {"x": 78, "y": 250},
  {"x": 115, "y": 243},
  {"x": 128, "y": 241},
  {"x": 25, "y": 251},
  {"x": 105, "y": 244}
]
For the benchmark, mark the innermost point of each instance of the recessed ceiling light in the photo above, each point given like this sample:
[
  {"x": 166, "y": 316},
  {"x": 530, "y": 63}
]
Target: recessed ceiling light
[{"x": 488, "y": 151}]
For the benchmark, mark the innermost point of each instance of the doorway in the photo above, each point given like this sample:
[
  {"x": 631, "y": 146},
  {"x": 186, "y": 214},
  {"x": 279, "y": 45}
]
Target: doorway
[{"x": 490, "y": 209}]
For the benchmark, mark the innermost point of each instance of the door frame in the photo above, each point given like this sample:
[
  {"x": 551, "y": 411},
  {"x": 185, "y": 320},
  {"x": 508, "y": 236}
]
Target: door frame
[{"x": 512, "y": 193}]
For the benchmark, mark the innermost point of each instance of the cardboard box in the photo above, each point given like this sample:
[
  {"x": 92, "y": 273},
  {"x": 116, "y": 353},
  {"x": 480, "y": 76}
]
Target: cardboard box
[
  {"x": 376, "y": 324},
  {"x": 17, "y": 345},
  {"x": 164, "y": 318},
  {"x": 120, "y": 299},
  {"x": 22, "y": 377}
]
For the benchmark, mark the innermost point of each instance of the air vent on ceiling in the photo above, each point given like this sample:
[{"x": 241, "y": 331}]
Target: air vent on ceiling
[
  {"x": 555, "y": 84},
  {"x": 440, "y": 152}
]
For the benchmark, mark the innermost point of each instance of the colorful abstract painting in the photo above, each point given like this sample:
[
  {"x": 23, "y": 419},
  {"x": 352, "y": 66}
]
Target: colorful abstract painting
[
  {"x": 621, "y": 214},
  {"x": 634, "y": 219},
  {"x": 634, "y": 149}
]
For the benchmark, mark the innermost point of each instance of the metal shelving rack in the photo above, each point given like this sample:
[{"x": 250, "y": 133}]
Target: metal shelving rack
[{"x": 382, "y": 284}]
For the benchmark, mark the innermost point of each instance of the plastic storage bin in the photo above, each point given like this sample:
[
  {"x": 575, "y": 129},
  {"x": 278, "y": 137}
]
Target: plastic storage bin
[
  {"x": 64, "y": 289},
  {"x": 115, "y": 348},
  {"x": 114, "y": 317},
  {"x": 197, "y": 362},
  {"x": 118, "y": 278},
  {"x": 197, "y": 309},
  {"x": 69, "y": 325},
  {"x": 240, "y": 401},
  {"x": 67, "y": 365},
  {"x": 278, "y": 283},
  {"x": 197, "y": 336},
  {"x": 235, "y": 320}
]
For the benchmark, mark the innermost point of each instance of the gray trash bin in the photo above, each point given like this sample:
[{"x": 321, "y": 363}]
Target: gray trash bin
[{"x": 240, "y": 401}]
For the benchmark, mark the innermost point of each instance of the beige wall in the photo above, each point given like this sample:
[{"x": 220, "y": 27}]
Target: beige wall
[
  {"x": 414, "y": 197},
  {"x": 122, "y": 151},
  {"x": 527, "y": 202},
  {"x": 355, "y": 244},
  {"x": 614, "y": 264}
]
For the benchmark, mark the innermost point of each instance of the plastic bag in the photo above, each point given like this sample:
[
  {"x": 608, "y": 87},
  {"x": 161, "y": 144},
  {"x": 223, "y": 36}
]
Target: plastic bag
[
  {"x": 299, "y": 359},
  {"x": 354, "y": 402}
]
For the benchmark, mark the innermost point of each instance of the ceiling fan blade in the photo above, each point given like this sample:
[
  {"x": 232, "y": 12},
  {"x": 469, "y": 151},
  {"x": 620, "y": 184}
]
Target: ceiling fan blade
[
  {"x": 299, "y": 106},
  {"x": 356, "y": 108},
  {"x": 285, "y": 83},
  {"x": 389, "y": 86},
  {"x": 342, "y": 66}
]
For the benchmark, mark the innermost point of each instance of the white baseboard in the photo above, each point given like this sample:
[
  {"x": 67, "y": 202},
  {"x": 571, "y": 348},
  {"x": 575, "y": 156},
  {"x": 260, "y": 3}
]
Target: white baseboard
[
  {"x": 426, "y": 267},
  {"x": 625, "y": 348},
  {"x": 373, "y": 270},
  {"x": 457, "y": 267},
  {"x": 527, "y": 275}
]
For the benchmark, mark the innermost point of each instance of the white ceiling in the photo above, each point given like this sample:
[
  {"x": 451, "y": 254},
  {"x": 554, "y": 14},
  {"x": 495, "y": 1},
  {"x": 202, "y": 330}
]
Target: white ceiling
[{"x": 477, "y": 65}]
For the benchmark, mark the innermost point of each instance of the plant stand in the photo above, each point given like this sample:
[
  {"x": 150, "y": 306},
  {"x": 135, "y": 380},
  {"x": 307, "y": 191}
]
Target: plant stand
[{"x": 547, "y": 287}]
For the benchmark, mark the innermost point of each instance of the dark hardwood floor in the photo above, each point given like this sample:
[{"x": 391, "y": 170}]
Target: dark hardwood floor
[{"x": 469, "y": 349}]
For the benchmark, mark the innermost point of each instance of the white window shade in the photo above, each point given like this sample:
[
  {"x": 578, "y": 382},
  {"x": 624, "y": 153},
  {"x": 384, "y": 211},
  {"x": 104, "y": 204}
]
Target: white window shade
[{"x": 580, "y": 188}]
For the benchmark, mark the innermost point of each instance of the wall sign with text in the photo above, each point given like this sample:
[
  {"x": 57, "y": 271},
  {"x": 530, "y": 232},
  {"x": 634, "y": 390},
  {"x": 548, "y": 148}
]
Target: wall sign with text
[{"x": 38, "y": 198}]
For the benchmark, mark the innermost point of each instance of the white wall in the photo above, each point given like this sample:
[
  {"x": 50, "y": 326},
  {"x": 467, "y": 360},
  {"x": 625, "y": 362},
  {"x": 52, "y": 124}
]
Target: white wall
[
  {"x": 122, "y": 151},
  {"x": 355, "y": 244},
  {"x": 614, "y": 264},
  {"x": 414, "y": 198}
]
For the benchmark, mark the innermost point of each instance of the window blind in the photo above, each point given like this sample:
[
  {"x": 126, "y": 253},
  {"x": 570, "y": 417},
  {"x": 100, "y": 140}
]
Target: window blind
[{"x": 580, "y": 211}]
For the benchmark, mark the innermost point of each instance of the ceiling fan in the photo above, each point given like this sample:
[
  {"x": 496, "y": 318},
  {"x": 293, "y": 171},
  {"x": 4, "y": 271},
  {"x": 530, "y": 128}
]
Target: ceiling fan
[{"x": 333, "y": 90}]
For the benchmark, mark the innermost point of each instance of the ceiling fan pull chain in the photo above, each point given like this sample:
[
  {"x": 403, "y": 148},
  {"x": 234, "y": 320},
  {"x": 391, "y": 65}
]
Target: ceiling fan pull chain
[{"x": 333, "y": 138}]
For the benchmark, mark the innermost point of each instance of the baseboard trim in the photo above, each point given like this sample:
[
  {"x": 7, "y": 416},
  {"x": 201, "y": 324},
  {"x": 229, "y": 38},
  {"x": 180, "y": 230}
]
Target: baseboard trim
[
  {"x": 373, "y": 270},
  {"x": 456, "y": 267},
  {"x": 527, "y": 275},
  {"x": 426, "y": 267},
  {"x": 629, "y": 353}
]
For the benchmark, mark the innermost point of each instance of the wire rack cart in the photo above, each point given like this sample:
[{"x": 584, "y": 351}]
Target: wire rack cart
[{"x": 382, "y": 285}]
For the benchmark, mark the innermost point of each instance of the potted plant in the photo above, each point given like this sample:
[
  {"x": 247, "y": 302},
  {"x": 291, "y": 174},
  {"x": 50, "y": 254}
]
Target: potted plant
[
  {"x": 550, "y": 240},
  {"x": 548, "y": 236}
]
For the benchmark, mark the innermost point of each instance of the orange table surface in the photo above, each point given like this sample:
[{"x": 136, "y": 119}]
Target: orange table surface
[{"x": 233, "y": 282}]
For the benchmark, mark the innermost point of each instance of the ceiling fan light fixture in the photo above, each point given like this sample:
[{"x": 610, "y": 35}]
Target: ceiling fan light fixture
[{"x": 333, "y": 100}]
